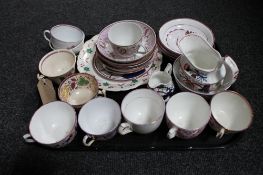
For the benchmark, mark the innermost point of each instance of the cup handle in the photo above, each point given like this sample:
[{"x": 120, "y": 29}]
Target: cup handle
[
  {"x": 172, "y": 132},
  {"x": 221, "y": 133},
  {"x": 88, "y": 140},
  {"x": 144, "y": 49},
  {"x": 233, "y": 66},
  {"x": 102, "y": 92},
  {"x": 168, "y": 68},
  {"x": 50, "y": 45},
  {"x": 125, "y": 128},
  {"x": 46, "y": 36},
  {"x": 28, "y": 138}
]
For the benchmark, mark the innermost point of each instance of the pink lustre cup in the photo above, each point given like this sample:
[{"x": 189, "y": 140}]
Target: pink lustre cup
[
  {"x": 231, "y": 113},
  {"x": 187, "y": 115}
]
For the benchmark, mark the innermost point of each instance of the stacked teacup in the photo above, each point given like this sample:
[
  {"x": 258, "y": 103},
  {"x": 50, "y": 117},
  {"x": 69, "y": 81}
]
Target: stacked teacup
[{"x": 126, "y": 47}]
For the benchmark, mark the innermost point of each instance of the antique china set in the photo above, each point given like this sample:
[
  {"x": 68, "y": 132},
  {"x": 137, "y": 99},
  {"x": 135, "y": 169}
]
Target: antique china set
[{"x": 124, "y": 56}]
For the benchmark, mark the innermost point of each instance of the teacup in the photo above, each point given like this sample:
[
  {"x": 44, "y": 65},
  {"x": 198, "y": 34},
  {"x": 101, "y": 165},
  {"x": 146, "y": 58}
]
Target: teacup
[
  {"x": 162, "y": 83},
  {"x": 53, "y": 125},
  {"x": 125, "y": 38},
  {"x": 58, "y": 64},
  {"x": 99, "y": 119},
  {"x": 231, "y": 113},
  {"x": 64, "y": 36},
  {"x": 187, "y": 115},
  {"x": 143, "y": 111},
  {"x": 201, "y": 62},
  {"x": 77, "y": 89}
]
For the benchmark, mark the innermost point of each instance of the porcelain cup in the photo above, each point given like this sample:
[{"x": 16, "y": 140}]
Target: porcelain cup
[
  {"x": 187, "y": 115},
  {"x": 58, "y": 64},
  {"x": 143, "y": 111},
  {"x": 201, "y": 62},
  {"x": 99, "y": 119},
  {"x": 126, "y": 38},
  {"x": 53, "y": 125},
  {"x": 64, "y": 36},
  {"x": 79, "y": 88},
  {"x": 162, "y": 83},
  {"x": 231, "y": 113}
]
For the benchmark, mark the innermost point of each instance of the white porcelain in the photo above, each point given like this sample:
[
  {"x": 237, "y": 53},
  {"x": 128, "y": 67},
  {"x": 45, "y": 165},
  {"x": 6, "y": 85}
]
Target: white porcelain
[
  {"x": 187, "y": 115},
  {"x": 185, "y": 84},
  {"x": 64, "y": 36},
  {"x": 125, "y": 38},
  {"x": 231, "y": 112},
  {"x": 147, "y": 43},
  {"x": 99, "y": 119},
  {"x": 85, "y": 64},
  {"x": 172, "y": 31},
  {"x": 77, "y": 89},
  {"x": 57, "y": 63},
  {"x": 143, "y": 111},
  {"x": 162, "y": 83},
  {"x": 201, "y": 62},
  {"x": 53, "y": 124}
]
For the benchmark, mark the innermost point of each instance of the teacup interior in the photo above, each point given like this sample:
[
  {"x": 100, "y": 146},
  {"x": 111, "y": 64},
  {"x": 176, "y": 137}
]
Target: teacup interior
[
  {"x": 199, "y": 52},
  {"x": 99, "y": 116},
  {"x": 52, "y": 122},
  {"x": 143, "y": 107},
  {"x": 67, "y": 33},
  {"x": 125, "y": 33},
  {"x": 80, "y": 96},
  {"x": 231, "y": 110},
  {"x": 57, "y": 63},
  {"x": 188, "y": 111}
]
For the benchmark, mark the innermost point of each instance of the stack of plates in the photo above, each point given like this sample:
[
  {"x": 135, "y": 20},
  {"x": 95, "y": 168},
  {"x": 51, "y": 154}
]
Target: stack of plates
[
  {"x": 118, "y": 65},
  {"x": 173, "y": 31}
]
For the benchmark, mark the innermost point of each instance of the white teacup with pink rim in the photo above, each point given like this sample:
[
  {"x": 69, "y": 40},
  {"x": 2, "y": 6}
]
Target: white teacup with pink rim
[
  {"x": 64, "y": 36},
  {"x": 187, "y": 115},
  {"x": 57, "y": 64},
  {"x": 99, "y": 119},
  {"x": 231, "y": 113},
  {"x": 143, "y": 111},
  {"x": 125, "y": 38},
  {"x": 53, "y": 125}
]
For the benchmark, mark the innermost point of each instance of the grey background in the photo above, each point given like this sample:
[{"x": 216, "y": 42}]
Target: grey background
[{"x": 237, "y": 26}]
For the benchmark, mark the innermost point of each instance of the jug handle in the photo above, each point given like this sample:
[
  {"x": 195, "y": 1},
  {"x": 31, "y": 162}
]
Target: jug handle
[
  {"x": 233, "y": 66},
  {"x": 168, "y": 68}
]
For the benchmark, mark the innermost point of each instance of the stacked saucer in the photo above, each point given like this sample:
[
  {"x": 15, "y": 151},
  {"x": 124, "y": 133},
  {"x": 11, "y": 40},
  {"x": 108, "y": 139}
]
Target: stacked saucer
[
  {"x": 173, "y": 31},
  {"x": 122, "y": 57},
  {"x": 125, "y": 47}
]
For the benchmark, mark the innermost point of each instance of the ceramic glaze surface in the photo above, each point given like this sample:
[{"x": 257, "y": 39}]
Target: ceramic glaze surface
[
  {"x": 143, "y": 106},
  {"x": 77, "y": 89},
  {"x": 85, "y": 64},
  {"x": 125, "y": 33},
  {"x": 99, "y": 116},
  {"x": 67, "y": 33},
  {"x": 57, "y": 63},
  {"x": 231, "y": 110},
  {"x": 199, "y": 53},
  {"x": 52, "y": 122},
  {"x": 186, "y": 85},
  {"x": 173, "y": 31},
  {"x": 188, "y": 111}
]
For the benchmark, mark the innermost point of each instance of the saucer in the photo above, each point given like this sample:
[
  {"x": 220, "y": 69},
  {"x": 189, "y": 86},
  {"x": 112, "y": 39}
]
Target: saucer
[
  {"x": 148, "y": 42},
  {"x": 186, "y": 85},
  {"x": 85, "y": 65},
  {"x": 173, "y": 31}
]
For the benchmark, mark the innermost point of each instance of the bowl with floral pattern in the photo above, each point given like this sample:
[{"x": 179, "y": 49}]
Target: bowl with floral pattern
[{"x": 77, "y": 89}]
